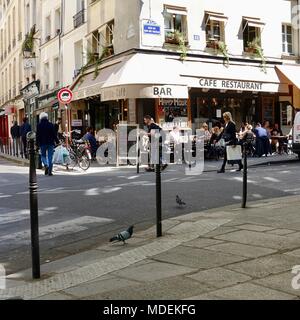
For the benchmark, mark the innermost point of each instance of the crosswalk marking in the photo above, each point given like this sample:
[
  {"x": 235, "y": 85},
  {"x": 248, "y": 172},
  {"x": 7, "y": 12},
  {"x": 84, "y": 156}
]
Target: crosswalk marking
[{"x": 56, "y": 230}]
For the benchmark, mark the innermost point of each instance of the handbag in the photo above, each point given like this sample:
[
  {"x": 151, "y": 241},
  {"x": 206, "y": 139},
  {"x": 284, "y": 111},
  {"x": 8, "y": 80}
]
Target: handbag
[{"x": 234, "y": 153}]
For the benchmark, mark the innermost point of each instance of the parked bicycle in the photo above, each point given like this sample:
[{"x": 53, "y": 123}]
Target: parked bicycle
[{"x": 79, "y": 152}]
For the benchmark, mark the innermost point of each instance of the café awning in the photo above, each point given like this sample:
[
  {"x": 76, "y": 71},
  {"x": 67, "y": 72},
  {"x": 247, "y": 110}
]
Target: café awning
[
  {"x": 291, "y": 72},
  {"x": 234, "y": 77},
  {"x": 134, "y": 76}
]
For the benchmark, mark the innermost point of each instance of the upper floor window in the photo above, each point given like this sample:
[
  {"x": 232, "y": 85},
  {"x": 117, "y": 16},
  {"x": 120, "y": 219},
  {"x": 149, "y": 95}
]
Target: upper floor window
[
  {"x": 214, "y": 28},
  {"x": 175, "y": 24},
  {"x": 252, "y": 28},
  {"x": 287, "y": 39}
]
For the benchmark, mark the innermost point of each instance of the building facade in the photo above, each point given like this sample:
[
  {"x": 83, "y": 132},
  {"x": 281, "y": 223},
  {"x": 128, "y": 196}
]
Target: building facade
[
  {"x": 12, "y": 74},
  {"x": 184, "y": 62}
]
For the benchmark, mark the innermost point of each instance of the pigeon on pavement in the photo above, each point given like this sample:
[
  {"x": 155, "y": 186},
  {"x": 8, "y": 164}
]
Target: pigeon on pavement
[
  {"x": 179, "y": 201},
  {"x": 123, "y": 236}
]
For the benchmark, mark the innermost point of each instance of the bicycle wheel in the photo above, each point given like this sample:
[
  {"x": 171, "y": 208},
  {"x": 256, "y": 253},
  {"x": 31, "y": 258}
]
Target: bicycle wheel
[
  {"x": 73, "y": 159},
  {"x": 84, "y": 162}
]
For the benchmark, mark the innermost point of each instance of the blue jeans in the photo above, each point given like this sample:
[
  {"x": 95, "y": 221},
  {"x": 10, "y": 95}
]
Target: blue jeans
[{"x": 47, "y": 161}]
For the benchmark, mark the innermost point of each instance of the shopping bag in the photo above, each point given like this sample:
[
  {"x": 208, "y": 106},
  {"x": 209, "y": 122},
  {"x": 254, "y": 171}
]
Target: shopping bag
[
  {"x": 234, "y": 153},
  {"x": 58, "y": 155},
  {"x": 65, "y": 155}
]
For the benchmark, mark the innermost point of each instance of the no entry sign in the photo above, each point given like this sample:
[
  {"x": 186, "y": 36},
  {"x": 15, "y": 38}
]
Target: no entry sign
[{"x": 65, "y": 96}]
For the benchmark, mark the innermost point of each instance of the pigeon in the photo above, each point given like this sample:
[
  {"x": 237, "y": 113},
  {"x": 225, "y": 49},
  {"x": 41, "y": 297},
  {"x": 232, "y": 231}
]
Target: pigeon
[
  {"x": 123, "y": 236},
  {"x": 179, "y": 201}
]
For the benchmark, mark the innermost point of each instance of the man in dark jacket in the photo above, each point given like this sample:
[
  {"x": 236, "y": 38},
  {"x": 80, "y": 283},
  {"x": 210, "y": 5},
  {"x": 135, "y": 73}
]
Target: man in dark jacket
[
  {"x": 24, "y": 129},
  {"x": 46, "y": 139},
  {"x": 15, "y": 134}
]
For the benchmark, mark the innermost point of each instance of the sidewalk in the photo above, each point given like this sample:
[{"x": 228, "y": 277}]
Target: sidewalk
[
  {"x": 226, "y": 253},
  {"x": 209, "y": 165}
]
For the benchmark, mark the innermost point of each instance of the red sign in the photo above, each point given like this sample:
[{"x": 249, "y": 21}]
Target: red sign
[{"x": 65, "y": 96}]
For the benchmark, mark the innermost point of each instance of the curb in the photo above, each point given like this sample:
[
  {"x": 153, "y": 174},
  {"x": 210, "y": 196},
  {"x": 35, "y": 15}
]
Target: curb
[{"x": 21, "y": 161}]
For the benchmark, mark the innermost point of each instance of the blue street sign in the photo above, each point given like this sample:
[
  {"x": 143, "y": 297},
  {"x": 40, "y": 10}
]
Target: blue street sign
[{"x": 151, "y": 29}]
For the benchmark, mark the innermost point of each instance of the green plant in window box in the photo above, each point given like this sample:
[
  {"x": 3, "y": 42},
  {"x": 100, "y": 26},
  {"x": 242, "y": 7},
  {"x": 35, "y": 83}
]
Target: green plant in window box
[
  {"x": 222, "y": 48},
  {"x": 28, "y": 43},
  {"x": 254, "y": 47},
  {"x": 181, "y": 41}
]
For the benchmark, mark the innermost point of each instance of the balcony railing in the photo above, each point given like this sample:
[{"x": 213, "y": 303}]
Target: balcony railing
[
  {"x": 79, "y": 18},
  {"x": 14, "y": 43},
  {"x": 9, "y": 48},
  {"x": 20, "y": 36}
]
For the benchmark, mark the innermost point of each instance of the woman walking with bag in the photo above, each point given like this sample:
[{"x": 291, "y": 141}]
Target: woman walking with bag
[{"x": 229, "y": 135}]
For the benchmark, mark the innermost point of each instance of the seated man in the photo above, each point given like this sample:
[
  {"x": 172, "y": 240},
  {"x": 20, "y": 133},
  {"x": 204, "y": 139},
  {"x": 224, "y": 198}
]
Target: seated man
[{"x": 92, "y": 140}]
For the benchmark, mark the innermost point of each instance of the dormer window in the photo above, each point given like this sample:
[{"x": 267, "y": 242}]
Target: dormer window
[
  {"x": 252, "y": 29},
  {"x": 175, "y": 24},
  {"x": 214, "y": 28}
]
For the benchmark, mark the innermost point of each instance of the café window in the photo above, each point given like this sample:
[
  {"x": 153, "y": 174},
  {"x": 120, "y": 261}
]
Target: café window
[
  {"x": 287, "y": 39},
  {"x": 214, "y": 28},
  {"x": 252, "y": 29},
  {"x": 175, "y": 24}
]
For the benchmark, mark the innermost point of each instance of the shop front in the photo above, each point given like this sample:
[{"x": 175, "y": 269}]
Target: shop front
[
  {"x": 130, "y": 87},
  {"x": 47, "y": 103},
  {"x": 182, "y": 94}
]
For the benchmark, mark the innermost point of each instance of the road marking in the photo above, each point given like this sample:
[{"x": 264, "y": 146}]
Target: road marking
[
  {"x": 92, "y": 192},
  {"x": 16, "y": 216},
  {"x": 292, "y": 190},
  {"x": 271, "y": 179},
  {"x": 56, "y": 230},
  {"x": 6, "y": 196}
]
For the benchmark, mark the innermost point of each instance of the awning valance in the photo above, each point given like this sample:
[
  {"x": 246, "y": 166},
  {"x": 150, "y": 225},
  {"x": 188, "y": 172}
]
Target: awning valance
[
  {"x": 213, "y": 16},
  {"x": 253, "y": 22},
  {"x": 292, "y": 73}
]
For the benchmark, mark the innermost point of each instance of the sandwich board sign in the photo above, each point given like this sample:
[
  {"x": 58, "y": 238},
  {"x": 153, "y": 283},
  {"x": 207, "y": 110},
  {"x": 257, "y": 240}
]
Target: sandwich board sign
[{"x": 65, "y": 96}]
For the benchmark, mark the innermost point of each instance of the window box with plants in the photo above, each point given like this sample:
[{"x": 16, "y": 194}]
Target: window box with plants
[
  {"x": 180, "y": 40},
  {"x": 219, "y": 47},
  {"x": 254, "y": 49}
]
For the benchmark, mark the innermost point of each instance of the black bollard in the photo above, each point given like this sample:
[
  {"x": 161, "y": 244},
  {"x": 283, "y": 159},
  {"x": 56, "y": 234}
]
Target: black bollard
[
  {"x": 158, "y": 202},
  {"x": 34, "y": 219},
  {"x": 245, "y": 177}
]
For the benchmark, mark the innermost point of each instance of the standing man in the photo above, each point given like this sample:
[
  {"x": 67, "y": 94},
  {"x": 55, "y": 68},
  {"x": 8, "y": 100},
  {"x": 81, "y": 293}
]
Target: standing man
[
  {"x": 154, "y": 128},
  {"x": 46, "y": 138},
  {"x": 15, "y": 134},
  {"x": 24, "y": 129}
]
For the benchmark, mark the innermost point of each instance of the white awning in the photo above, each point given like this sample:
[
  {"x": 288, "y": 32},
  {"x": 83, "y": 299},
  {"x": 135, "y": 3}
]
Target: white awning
[
  {"x": 252, "y": 22},
  {"x": 215, "y": 17},
  {"x": 176, "y": 11},
  {"x": 292, "y": 73},
  {"x": 235, "y": 77},
  {"x": 134, "y": 76}
]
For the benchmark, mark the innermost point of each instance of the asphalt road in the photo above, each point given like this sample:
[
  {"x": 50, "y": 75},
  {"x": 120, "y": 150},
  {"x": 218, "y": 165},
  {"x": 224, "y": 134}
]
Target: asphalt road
[{"x": 79, "y": 212}]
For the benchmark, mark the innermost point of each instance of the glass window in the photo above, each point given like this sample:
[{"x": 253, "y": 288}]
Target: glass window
[
  {"x": 174, "y": 22},
  {"x": 287, "y": 39},
  {"x": 214, "y": 31},
  {"x": 250, "y": 34}
]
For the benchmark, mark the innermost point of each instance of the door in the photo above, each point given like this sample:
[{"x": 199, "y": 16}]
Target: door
[{"x": 268, "y": 105}]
